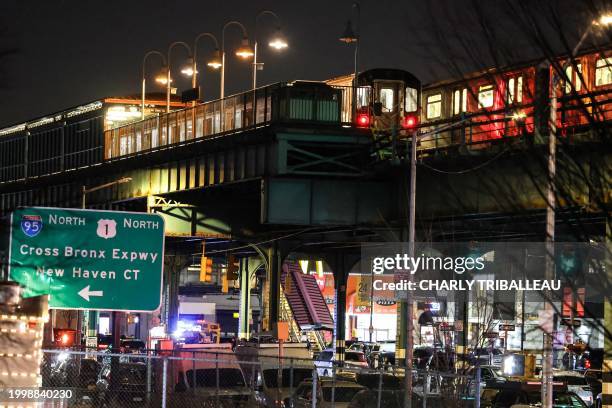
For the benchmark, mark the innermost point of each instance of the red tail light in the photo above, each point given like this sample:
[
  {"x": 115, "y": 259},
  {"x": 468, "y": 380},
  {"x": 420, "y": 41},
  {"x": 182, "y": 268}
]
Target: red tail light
[
  {"x": 410, "y": 122},
  {"x": 363, "y": 120}
]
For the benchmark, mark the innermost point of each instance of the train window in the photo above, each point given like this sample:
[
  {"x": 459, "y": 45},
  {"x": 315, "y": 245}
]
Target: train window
[
  {"x": 363, "y": 96},
  {"x": 386, "y": 98},
  {"x": 603, "y": 72},
  {"x": 410, "y": 103},
  {"x": 573, "y": 78},
  {"x": 434, "y": 106},
  {"x": 485, "y": 96},
  {"x": 459, "y": 101},
  {"x": 514, "y": 90}
]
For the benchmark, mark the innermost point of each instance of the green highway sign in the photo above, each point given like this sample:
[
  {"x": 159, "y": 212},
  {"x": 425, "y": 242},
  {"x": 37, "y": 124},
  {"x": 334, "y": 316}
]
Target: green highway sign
[{"x": 85, "y": 259}]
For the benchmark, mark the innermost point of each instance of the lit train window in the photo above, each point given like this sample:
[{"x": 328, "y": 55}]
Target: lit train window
[
  {"x": 574, "y": 78},
  {"x": 459, "y": 101},
  {"x": 485, "y": 96},
  {"x": 386, "y": 98},
  {"x": 514, "y": 90},
  {"x": 434, "y": 106},
  {"x": 603, "y": 72},
  {"x": 410, "y": 102},
  {"x": 363, "y": 96}
]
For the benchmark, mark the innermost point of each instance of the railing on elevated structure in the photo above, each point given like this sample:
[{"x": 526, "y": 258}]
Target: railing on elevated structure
[{"x": 301, "y": 101}]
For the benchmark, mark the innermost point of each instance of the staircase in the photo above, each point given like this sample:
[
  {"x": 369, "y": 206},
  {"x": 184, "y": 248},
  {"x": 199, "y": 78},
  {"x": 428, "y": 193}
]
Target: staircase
[
  {"x": 306, "y": 303},
  {"x": 287, "y": 316}
]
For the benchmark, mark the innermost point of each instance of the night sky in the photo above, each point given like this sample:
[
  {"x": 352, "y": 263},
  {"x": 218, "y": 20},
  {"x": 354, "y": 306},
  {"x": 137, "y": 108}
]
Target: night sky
[{"x": 66, "y": 52}]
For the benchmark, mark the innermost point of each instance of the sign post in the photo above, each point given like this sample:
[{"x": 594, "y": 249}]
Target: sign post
[{"x": 90, "y": 260}]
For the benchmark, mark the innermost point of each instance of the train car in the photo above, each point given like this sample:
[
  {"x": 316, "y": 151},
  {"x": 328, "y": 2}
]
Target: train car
[
  {"x": 70, "y": 139},
  {"x": 501, "y": 103},
  {"x": 383, "y": 99}
]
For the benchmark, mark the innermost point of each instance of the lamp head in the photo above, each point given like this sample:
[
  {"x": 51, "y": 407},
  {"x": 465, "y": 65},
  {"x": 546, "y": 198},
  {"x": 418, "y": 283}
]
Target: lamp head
[
  {"x": 348, "y": 36},
  {"x": 278, "y": 42},
  {"x": 187, "y": 70},
  {"x": 215, "y": 61},
  {"x": 162, "y": 77},
  {"x": 245, "y": 51}
]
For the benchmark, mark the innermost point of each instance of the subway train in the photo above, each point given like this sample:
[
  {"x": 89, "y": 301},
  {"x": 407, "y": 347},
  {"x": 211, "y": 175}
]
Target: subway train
[{"x": 480, "y": 109}]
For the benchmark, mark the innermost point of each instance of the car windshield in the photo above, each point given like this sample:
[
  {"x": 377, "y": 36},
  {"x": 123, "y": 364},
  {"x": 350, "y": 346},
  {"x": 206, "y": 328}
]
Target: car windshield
[
  {"x": 571, "y": 379},
  {"x": 354, "y": 357},
  {"x": 207, "y": 377},
  {"x": 299, "y": 374},
  {"x": 341, "y": 394}
]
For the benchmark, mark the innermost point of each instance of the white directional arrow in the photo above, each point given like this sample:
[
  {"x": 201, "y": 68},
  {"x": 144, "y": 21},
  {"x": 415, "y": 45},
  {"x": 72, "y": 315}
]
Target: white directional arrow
[{"x": 85, "y": 293}]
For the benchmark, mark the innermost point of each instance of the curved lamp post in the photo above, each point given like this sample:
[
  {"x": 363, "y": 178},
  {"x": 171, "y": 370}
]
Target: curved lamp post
[
  {"x": 277, "y": 42},
  {"x": 144, "y": 80},
  {"x": 168, "y": 59},
  {"x": 214, "y": 62},
  {"x": 244, "y": 51}
]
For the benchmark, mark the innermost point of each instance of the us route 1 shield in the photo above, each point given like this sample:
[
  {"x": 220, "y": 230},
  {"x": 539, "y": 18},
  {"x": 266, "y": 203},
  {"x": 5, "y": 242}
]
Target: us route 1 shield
[{"x": 84, "y": 259}]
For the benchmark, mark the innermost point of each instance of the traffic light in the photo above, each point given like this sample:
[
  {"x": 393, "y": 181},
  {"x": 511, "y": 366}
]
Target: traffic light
[
  {"x": 205, "y": 266},
  {"x": 233, "y": 265}
]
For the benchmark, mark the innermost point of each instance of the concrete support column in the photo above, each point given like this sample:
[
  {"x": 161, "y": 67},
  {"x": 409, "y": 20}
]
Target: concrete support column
[
  {"x": 274, "y": 273},
  {"x": 245, "y": 300},
  {"x": 341, "y": 276}
]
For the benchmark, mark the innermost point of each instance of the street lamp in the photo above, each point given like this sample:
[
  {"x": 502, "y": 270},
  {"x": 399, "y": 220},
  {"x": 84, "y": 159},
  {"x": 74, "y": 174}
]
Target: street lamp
[
  {"x": 244, "y": 51},
  {"x": 277, "y": 42},
  {"x": 351, "y": 36},
  {"x": 214, "y": 62},
  {"x": 547, "y": 363},
  {"x": 168, "y": 81},
  {"x": 144, "y": 61}
]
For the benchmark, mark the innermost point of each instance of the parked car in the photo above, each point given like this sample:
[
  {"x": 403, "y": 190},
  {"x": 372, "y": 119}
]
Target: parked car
[
  {"x": 340, "y": 392},
  {"x": 576, "y": 383},
  {"x": 269, "y": 389},
  {"x": 74, "y": 371},
  {"x": 132, "y": 346},
  {"x": 129, "y": 387},
  {"x": 487, "y": 356},
  {"x": 514, "y": 394},
  {"x": 355, "y": 359},
  {"x": 594, "y": 379}
]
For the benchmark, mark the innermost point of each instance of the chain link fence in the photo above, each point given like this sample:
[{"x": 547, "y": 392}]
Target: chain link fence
[{"x": 189, "y": 379}]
